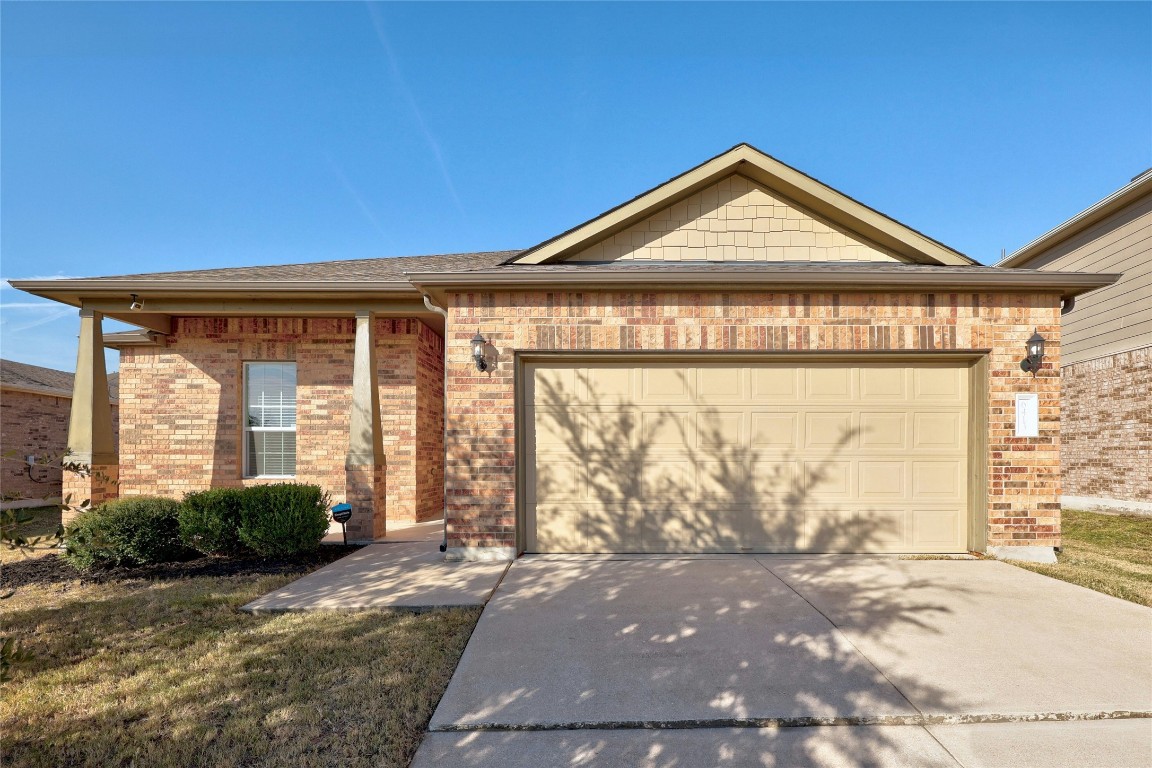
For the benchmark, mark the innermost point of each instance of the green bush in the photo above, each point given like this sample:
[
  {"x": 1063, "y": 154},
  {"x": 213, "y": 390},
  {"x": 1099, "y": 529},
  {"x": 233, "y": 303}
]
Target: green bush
[
  {"x": 133, "y": 531},
  {"x": 210, "y": 521},
  {"x": 283, "y": 519}
]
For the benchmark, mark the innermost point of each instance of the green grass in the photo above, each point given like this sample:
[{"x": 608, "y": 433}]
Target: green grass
[
  {"x": 161, "y": 674},
  {"x": 1108, "y": 553}
]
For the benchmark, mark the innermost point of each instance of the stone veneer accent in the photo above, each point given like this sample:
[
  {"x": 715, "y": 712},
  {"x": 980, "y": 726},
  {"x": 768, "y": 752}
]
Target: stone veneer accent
[
  {"x": 1023, "y": 473},
  {"x": 181, "y": 408},
  {"x": 735, "y": 219},
  {"x": 1107, "y": 427}
]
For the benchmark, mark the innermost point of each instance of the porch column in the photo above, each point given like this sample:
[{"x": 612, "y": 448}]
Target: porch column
[
  {"x": 364, "y": 465},
  {"x": 91, "y": 442}
]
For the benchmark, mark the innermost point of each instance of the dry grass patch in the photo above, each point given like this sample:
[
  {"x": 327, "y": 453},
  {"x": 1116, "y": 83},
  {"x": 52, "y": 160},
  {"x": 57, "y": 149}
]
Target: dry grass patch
[
  {"x": 170, "y": 674},
  {"x": 1108, "y": 553},
  {"x": 45, "y": 521}
]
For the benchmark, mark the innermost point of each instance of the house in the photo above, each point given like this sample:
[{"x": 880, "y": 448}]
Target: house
[
  {"x": 34, "y": 406},
  {"x": 1106, "y": 355},
  {"x": 741, "y": 359}
]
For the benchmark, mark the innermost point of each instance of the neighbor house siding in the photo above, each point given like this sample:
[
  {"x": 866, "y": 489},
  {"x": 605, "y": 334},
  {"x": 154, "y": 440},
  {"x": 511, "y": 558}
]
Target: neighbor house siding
[
  {"x": 1023, "y": 477},
  {"x": 182, "y": 405},
  {"x": 1116, "y": 318}
]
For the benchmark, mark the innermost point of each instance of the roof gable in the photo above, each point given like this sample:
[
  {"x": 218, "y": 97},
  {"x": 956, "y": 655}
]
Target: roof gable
[
  {"x": 782, "y": 182},
  {"x": 735, "y": 219}
]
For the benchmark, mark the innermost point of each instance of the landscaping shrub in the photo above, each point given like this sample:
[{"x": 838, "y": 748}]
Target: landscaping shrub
[
  {"x": 283, "y": 519},
  {"x": 210, "y": 521},
  {"x": 132, "y": 531}
]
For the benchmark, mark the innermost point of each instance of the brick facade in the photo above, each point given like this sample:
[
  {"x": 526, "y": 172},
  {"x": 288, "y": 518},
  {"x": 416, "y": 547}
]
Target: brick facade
[
  {"x": 182, "y": 408},
  {"x": 34, "y": 424},
  {"x": 1107, "y": 427},
  {"x": 1023, "y": 478}
]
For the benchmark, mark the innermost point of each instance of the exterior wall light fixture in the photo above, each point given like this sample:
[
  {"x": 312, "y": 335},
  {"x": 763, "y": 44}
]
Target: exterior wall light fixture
[
  {"x": 136, "y": 304},
  {"x": 1035, "y": 357},
  {"x": 478, "y": 343}
]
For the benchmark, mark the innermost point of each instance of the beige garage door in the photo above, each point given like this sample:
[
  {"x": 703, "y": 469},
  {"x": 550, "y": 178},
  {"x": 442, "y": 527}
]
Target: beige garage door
[{"x": 777, "y": 457}]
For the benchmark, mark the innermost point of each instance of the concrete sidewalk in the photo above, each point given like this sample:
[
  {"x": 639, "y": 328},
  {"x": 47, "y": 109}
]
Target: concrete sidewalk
[
  {"x": 406, "y": 570},
  {"x": 1091, "y": 744}
]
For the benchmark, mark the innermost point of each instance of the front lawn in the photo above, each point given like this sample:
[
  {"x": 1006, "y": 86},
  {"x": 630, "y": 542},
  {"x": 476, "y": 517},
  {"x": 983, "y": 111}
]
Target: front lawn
[
  {"x": 139, "y": 672},
  {"x": 1108, "y": 553}
]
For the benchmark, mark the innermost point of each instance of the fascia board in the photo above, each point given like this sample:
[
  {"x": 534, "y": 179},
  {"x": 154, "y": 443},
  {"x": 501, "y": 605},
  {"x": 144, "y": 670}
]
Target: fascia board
[{"x": 1067, "y": 284}]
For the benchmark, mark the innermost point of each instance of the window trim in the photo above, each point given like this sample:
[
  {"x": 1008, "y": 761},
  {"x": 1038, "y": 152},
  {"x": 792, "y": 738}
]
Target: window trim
[{"x": 246, "y": 472}]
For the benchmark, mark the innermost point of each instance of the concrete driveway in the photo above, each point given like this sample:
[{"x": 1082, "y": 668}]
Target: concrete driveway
[{"x": 797, "y": 661}]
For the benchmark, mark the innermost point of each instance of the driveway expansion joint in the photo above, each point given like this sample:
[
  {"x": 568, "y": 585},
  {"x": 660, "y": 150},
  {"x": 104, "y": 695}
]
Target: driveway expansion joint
[{"x": 798, "y": 722}]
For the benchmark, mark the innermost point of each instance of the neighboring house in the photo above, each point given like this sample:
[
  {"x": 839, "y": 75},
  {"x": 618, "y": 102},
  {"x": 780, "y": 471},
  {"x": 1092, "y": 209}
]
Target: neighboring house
[
  {"x": 34, "y": 407},
  {"x": 741, "y": 359},
  {"x": 1106, "y": 349}
]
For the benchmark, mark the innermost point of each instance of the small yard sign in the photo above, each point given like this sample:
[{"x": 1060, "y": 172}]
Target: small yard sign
[{"x": 1027, "y": 414}]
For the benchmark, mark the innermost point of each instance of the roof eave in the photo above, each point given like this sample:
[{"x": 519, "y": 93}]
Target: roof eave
[
  {"x": 1067, "y": 284},
  {"x": 74, "y": 292}
]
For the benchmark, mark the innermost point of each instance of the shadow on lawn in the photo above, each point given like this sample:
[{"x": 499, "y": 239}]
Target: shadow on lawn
[{"x": 170, "y": 674}]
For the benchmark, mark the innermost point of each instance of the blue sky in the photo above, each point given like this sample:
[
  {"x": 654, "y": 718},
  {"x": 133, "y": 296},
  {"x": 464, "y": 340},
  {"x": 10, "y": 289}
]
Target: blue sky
[{"x": 140, "y": 137}]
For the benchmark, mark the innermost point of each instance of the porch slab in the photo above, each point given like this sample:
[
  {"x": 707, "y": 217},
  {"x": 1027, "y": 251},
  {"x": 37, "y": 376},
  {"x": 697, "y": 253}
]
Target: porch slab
[{"x": 412, "y": 575}]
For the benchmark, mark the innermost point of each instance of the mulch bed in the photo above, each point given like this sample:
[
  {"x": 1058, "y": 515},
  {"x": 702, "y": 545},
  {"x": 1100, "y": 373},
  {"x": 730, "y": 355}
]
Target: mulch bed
[{"x": 52, "y": 569}]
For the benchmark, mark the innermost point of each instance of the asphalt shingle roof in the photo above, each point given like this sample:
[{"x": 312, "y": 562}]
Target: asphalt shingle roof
[
  {"x": 17, "y": 374},
  {"x": 354, "y": 270}
]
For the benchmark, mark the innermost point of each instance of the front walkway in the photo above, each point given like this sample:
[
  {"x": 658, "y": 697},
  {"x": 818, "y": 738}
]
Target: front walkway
[{"x": 404, "y": 570}]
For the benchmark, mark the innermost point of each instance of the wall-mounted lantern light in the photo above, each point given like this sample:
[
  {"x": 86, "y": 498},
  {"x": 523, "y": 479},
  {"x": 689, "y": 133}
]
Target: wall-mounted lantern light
[
  {"x": 136, "y": 304},
  {"x": 1035, "y": 353},
  {"x": 478, "y": 344}
]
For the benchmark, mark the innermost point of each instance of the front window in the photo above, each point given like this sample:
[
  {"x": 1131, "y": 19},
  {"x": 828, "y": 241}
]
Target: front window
[{"x": 269, "y": 419}]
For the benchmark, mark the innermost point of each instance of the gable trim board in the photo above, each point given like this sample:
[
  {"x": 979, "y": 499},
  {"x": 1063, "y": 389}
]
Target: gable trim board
[{"x": 795, "y": 186}]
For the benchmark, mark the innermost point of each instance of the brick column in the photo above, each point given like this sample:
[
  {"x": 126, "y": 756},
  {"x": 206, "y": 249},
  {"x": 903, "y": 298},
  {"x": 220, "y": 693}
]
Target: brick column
[
  {"x": 91, "y": 441},
  {"x": 364, "y": 465}
]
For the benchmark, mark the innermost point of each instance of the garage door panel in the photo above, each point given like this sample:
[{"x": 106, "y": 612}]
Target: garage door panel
[
  {"x": 669, "y": 480},
  {"x": 558, "y": 479},
  {"x": 776, "y": 384},
  {"x": 614, "y": 528},
  {"x": 938, "y": 480},
  {"x": 829, "y": 430},
  {"x": 763, "y": 457},
  {"x": 828, "y": 383},
  {"x": 938, "y": 431},
  {"x": 667, "y": 385},
  {"x": 721, "y": 385},
  {"x": 940, "y": 384},
  {"x": 884, "y": 385},
  {"x": 827, "y": 480},
  {"x": 884, "y": 431},
  {"x": 774, "y": 431},
  {"x": 935, "y": 528},
  {"x": 885, "y": 480},
  {"x": 602, "y": 386},
  {"x": 721, "y": 431},
  {"x": 558, "y": 528}
]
